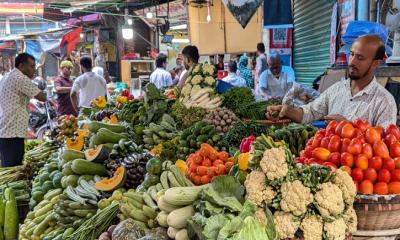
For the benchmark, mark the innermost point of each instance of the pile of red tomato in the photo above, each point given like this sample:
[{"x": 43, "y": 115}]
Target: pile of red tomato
[{"x": 371, "y": 155}]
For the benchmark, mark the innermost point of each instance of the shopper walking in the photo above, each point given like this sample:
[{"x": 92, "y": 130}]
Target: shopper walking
[
  {"x": 244, "y": 72},
  {"x": 161, "y": 77},
  {"x": 16, "y": 89},
  {"x": 88, "y": 86},
  {"x": 63, "y": 86}
]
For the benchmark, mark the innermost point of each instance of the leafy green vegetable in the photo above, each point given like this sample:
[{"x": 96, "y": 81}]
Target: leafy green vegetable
[
  {"x": 187, "y": 116},
  {"x": 249, "y": 209},
  {"x": 214, "y": 225},
  {"x": 230, "y": 228},
  {"x": 211, "y": 195},
  {"x": 237, "y": 97},
  {"x": 252, "y": 230},
  {"x": 241, "y": 130},
  {"x": 228, "y": 186},
  {"x": 270, "y": 227},
  {"x": 151, "y": 93}
]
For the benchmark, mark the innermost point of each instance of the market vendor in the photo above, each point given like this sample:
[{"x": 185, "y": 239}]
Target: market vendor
[
  {"x": 16, "y": 89},
  {"x": 275, "y": 81},
  {"x": 161, "y": 77},
  {"x": 88, "y": 86},
  {"x": 63, "y": 85},
  {"x": 233, "y": 78},
  {"x": 360, "y": 97},
  {"x": 190, "y": 58}
]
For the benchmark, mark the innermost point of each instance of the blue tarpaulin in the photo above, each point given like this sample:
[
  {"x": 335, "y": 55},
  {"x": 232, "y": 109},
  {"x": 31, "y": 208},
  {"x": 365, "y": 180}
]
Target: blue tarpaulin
[{"x": 33, "y": 48}]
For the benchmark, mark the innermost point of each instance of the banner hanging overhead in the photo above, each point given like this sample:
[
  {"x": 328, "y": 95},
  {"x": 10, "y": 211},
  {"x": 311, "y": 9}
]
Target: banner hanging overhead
[{"x": 242, "y": 10}]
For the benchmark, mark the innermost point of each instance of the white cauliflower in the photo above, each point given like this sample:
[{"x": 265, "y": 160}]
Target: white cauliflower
[
  {"x": 256, "y": 189},
  {"x": 186, "y": 89},
  {"x": 274, "y": 163},
  {"x": 343, "y": 180},
  {"x": 286, "y": 224},
  {"x": 312, "y": 227},
  {"x": 196, "y": 80},
  {"x": 335, "y": 230},
  {"x": 209, "y": 80},
  {"x": 260, "y": 216},
  {"x": 209, "y": 69},
  {"x": 295, "y": 198},
  {"x": 329, "y": 200},
  {"x": 350, "y": 218},
  {"x": 197, "y": 69}
]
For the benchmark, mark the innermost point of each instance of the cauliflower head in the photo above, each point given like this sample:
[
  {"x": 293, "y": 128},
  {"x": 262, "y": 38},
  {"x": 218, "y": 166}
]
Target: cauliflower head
[
  {"x": 343, "y": 180},
  {"x": 209, "y": 69},
  {"x": 210, "y": 81},
  {"x": 196, "y": 79},
  {"x": 196, "y": 69},
  {"x": 335, "y": 230},
  {"x": 186, "y": 89},
  {"x": 312, "y": 227},
  {"x": 286, "y": 224},
  {"x": 329, "y": 200},
  {"x": 350, "y": 218},
  {"x": 256, "y": 189},
  {"x": 274, "y": 163},
  {"x": 295, "y": 198},
  {"x": 260, "y": 216}
]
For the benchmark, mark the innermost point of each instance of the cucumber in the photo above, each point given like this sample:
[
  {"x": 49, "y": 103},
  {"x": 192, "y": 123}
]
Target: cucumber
[{"x": 83, "y": 167}]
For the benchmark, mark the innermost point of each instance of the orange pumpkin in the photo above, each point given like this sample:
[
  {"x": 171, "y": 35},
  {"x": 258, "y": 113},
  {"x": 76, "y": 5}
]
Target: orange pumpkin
[
  {"x": 76, "y": 144},
  {"x": 111, "y": 184},
  {"x": 99, "y": 102},
  {"x": 82, "y": 132}
]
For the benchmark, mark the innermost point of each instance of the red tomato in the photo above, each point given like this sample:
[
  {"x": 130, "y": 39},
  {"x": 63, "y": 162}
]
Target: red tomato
[
  {"x": 317, "y": 141},
  {"x": 308, "y": 151},
  {"x": 392, "y": 129},
  {"x": 361, "y": 161},
  {"x": 321, "y": 153},
  {"x": 367, "y": 150},
  {"x": 334, "y": 158},
  {"x": 310, "y": 141},
  {"x": 394, "y": 188},
  {"x": 347, "y": 131},
  {"x": 357, "y": 174},
  {"x": 361, "y": 139},
  {"x": 345, "y": 144},
  {"x": 370, "y": 174},
  {"x": 325, "y": 142},
  {"x": 384, "y": 176},
  {"x": 395, "y": 149},
  {"x": 217, "y": 162},
  {"x": 355, "y": 147},
  {"x": 334, "y": 144},
  {"x": 372, "y": 135},
  {"x": 362, "y": 125},
  {"x": 339, "y": 127},
  {"x": 205, "y": 179},
  {"x": 397, "y": 162},
  {"x": 381, "y": 188},
  {"x": 206, "y": 162},
  {"x": 380, "y": 149},
  {"x": 331, "y": 126},
  {"x": 346, "y": 169},
  {"x": 395, "y": 175},
  {"x": 347, "y": 159},
  {"x": 331, "y": 165},
  {"x": 221, "y": 170},
  {"x": 366, "y": 187},
  {"x": 380, "y": 129},
  {"x": 228, "y": 166},
  {"x": 358, "y": 132},
  {"x": 388, "y": 163},
  {"x": 375, "y": 163},
  {"x": 357, "y": 186},
  {"x": 390, "y": 139}
]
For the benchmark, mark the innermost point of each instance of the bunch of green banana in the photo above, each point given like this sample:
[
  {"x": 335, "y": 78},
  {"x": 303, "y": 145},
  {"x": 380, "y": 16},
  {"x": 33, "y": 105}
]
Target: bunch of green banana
[{"x": 158, "y": 133}]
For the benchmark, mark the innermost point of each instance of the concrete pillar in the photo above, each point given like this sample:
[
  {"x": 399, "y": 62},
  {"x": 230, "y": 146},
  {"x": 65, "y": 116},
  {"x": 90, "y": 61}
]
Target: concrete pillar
[{"x": 362, "y": 10}]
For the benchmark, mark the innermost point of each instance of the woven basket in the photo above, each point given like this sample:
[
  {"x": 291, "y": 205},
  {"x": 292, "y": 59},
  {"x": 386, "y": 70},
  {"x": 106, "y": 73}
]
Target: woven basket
[{"x": 377, "y": 212}]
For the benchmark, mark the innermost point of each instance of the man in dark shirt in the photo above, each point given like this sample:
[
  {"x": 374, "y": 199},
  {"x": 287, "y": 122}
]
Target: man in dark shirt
[{"x": 63, "y": 85}]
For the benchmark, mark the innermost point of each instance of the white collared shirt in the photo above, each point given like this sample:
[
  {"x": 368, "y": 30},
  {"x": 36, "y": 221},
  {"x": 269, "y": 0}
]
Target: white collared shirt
[
  {"x": 90, "y": 86},
  {"x": 270, "y": 86},
  {"x": 161, "y": 78},
  {"x": 374, "y": 104},
  {"x": 235, "y": 80}
]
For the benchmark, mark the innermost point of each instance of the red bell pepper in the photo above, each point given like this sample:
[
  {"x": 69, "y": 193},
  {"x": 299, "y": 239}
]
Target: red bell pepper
[{"x": 245, "y": 145}]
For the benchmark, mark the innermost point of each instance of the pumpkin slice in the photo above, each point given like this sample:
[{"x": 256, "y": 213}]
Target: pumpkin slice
[
  {"x": 111, "y": 184},
  {"x": 82, "y": 132},
  {"x": 98, "y": 154},
  {"x": 76, "y": 144}
]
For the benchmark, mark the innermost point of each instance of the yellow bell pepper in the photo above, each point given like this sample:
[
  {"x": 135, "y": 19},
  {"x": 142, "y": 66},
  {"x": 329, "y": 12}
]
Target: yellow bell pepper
[{"x": 243, "y": 161}]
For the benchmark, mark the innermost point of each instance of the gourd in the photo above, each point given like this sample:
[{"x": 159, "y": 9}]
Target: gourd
[
  {"x": 162, "y": 219},
  {"x": 83, "y": 167},
  {"x": 98, "y": 155},
  {"x": 105, "y": 135},
  {"x": 76, "y": 144},
  {"x": 178, "y": 218},
  {"x": 182, "y": 196},
  {"x": 70, "y": 154},
  {"x": 11, "y": 216},
  {"x": 164, "y": 206},
  {"x": 95, "y": 126},
  {"x": 172, "y": 232},
  {"x": 110, "y": 184},
  {"x": 99, "y": 102},
  {"x": 182, "y": 235},
  {"x": 127, "y": 230}
]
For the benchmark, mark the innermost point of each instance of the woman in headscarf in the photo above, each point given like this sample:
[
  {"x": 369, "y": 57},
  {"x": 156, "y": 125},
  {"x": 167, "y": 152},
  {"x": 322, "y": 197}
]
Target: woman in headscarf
[{"x": 244, "y": 72}]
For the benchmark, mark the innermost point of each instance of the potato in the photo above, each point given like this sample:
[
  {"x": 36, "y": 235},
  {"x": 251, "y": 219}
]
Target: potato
[{"x": 104, "y": 236}]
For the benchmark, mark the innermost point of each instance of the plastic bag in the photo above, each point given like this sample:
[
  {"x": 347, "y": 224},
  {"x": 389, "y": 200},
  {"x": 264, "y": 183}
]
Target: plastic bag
[
  {"x": 299, "y": 95},
  {"x": 356, "y": 29}
]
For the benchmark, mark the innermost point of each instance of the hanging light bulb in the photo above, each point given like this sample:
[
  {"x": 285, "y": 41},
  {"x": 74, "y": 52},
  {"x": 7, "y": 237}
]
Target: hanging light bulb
[
  {"x": 149, "y": 15},
  {"x": 129, "y": 21},
  {"x": 82, "y": 35},
  {"x": 127, "y": 32},
  {"x": 208, "y": 12}
]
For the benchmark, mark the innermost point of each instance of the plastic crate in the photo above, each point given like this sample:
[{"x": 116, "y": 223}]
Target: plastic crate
[
  {"x": 319, "y": 124},
  {"x": 223, "y": 87}
]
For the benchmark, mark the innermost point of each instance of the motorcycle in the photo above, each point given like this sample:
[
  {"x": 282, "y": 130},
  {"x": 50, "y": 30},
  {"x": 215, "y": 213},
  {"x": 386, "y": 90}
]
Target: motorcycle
[{"x": 42, "y": 115}]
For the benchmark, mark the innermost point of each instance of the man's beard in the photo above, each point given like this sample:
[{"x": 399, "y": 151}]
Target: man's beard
[{"x": 357, "y": 77}]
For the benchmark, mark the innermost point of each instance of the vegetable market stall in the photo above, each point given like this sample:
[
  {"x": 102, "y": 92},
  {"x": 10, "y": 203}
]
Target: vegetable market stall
[{"x": 184, "y": 165}]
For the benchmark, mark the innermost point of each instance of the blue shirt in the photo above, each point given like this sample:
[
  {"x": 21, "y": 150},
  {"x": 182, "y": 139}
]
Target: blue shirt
[{"x": 235, "y": 80}]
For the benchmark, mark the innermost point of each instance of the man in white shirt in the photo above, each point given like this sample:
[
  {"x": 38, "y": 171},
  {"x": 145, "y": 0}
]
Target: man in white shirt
[
  {"x": 161, "y": 77},
  {"x": 89, "y": 86},
  {"x": 232, "y": 77},
  {"x": 276, "y": 81}
]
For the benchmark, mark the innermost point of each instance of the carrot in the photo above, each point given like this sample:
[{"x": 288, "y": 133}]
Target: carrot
[
  {"x": 228, "y": 165},
  {"x": 221, "y": 169},
  {"x": 206, "y": 162},
  {"x": 206, "y": 150},
  {"x": 202, "y": 170},
  {"x": 217, "y": 162},
  {"x": 193, "y": 167},
  {"x": 197, "y": 180},
  {"x": 212, "y": 172},
  {"x": 197, "y": 158},
  {"x": 223, "y": 156},
  {"x": 205, "y": 179}
]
